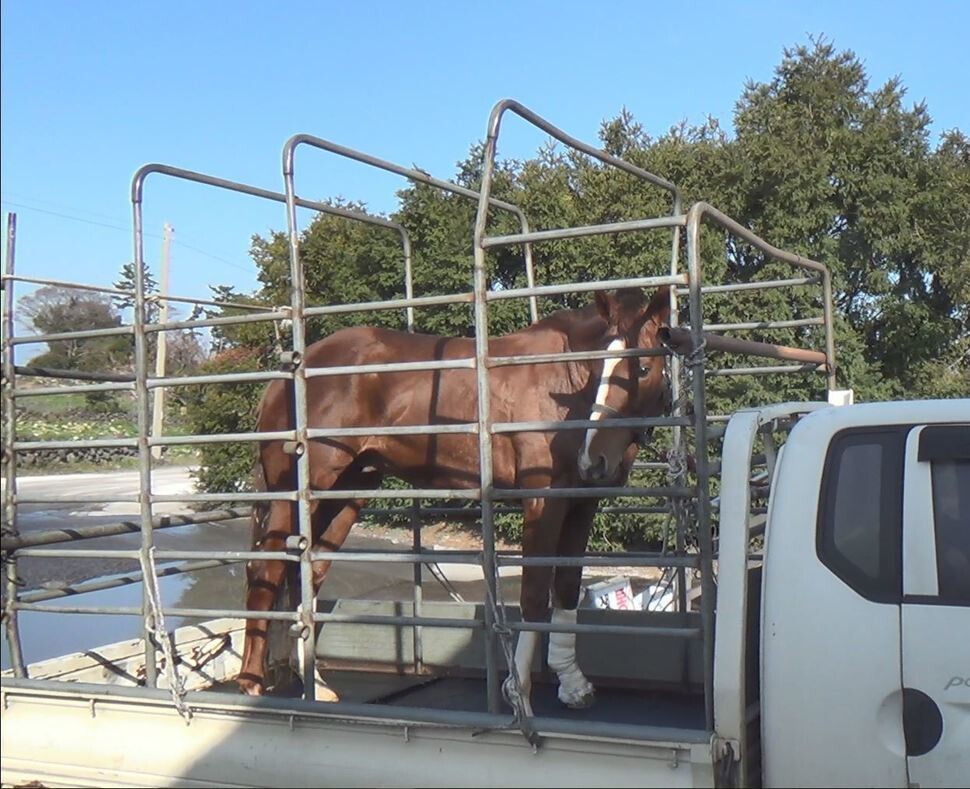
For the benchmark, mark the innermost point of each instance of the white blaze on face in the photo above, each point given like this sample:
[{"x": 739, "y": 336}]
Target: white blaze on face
[{"x": 602, "y": 393}]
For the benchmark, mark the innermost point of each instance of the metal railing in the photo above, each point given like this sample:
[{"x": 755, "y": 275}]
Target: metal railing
[{"x": 301, "y": 551}]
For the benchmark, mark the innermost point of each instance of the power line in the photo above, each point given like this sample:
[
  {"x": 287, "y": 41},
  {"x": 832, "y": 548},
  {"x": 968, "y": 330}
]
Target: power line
[{"x": 123, "y": 229}]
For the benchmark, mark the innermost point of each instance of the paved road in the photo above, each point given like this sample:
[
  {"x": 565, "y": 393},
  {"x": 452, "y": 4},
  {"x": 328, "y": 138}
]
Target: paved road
[{"x": 48, "y": 635}]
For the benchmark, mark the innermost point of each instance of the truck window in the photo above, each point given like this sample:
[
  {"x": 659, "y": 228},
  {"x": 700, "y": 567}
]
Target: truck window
[
  {"x": 951, "y": 516},
  {"x": 947, "y": 448},
  {"x": 860, "y": 511}
]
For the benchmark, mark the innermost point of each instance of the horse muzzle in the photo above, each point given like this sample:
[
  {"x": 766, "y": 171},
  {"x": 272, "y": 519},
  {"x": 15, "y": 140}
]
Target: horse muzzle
[{"x": 596, "y": 471}]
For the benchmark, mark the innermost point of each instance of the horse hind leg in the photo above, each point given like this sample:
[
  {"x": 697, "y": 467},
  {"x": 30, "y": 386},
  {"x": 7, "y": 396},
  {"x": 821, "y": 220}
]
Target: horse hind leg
[
  {"x": 330, "y": 531},
  {"x": 267, "y": 579},
  {"x": 264, "y": 581}
]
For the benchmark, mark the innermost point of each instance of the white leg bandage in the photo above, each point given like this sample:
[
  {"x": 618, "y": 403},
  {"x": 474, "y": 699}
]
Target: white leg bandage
[
  {"x": 525, "y": 650},
  {"x": 574, "y": 689}
]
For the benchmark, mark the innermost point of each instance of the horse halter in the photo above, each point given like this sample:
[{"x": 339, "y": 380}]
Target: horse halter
[{"x": 645, "y": 435}]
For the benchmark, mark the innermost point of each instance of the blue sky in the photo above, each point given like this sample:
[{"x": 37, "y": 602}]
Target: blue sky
[{"x": 92, "y": 90}]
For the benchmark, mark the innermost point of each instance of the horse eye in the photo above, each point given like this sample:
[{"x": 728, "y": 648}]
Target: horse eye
[{"x": 644, "y": 371}]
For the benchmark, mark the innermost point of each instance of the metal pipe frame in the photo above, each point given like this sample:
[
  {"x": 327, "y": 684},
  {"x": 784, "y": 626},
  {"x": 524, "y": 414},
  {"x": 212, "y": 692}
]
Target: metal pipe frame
[
  {"x": 9, "y": 417},
  {"x": 60, "y": 283},
  {"x": 37, "y": 339},
  {"x": 122, "y": 580},
  {"x": 680, "y": 340},
  {"x": 74, "y": 375},
  {"x": 707, "y": 212},
  {"x": 54, "y": 536},
  {"x": 490, "y": 559},
  {"x": 759, "y": 285},
  {"x": 289, "y": 155},
  {"x": 367, "y": 714},
  {"x": 363, "y": 619},
  {"x": 819, "y": 321},
  {"x": 40, "y": 391},
  {"x": 299, "y": 380},
  {"x": 137, "y": 189}
]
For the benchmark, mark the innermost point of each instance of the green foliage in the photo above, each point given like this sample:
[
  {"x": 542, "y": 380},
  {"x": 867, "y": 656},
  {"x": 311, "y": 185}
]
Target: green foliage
[
  {"x": 53, "y": 310},
  {"x": 225, "y": 408},
  {"x": 820, "y": 163}
]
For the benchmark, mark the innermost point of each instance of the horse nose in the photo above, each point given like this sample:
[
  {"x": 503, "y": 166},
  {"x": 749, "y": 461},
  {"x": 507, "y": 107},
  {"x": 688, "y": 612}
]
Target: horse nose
[{"x": 595, "y": 471}]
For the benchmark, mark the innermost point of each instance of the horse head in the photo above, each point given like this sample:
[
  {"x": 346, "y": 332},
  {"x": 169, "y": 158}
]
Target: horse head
[{"x": 628, "y": 386}]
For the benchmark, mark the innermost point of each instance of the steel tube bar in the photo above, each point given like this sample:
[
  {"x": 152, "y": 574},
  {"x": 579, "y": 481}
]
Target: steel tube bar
[
  {"x": 680, "y": 341},
  {"x": 592, "y": 492},
  {"x": 392, "y": 367},
  {"x": 395, "y": 430},
  {"x": 587, "y": 230},
  {"x": 74, "y": 375},
  {"x": 149, "y": 622},
  {"x": 80, "y": 443},
  {"x": 9, "y": 419},
  {"x": 584, "y": 287},
  {"x": 421, "y": 177},
  {"x": 704, "y": 537},
  {"x": 759, "y": 285},
  {"x": 36, "y": 339},
  {"x": 613, "y": 630},
  {"x": 770, "y": 370},
  {"x": 390, "y": 304},
  {"x": 614, "y": 423},
  {"x": 298, "y": 301},
  {"x": 124, "y": 580},
  {"x": 53, "y": 536},
  {"x": 41, "y": 391},
  {"x": 744, "y": 326}
]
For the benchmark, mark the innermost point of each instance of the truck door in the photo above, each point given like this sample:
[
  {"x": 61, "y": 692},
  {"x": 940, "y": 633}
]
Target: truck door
[{"x": 935, "y": 612}]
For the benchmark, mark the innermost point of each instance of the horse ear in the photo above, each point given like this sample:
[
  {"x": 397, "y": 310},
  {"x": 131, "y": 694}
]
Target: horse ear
[
  {"x": 658, "y": 310},
  {"x": 602, "y": 300}
]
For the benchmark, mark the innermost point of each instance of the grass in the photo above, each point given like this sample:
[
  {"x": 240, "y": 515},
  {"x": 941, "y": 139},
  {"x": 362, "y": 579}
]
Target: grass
[{"x": 71, "y": 417}]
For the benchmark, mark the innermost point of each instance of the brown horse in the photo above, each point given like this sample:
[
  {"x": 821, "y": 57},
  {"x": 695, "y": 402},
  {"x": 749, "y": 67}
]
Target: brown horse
[{"x": 586, "y": 390}]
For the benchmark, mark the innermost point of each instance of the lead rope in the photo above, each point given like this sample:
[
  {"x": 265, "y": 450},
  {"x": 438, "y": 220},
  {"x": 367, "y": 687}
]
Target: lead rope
[
  {"x": 512, "y": 687},
  {"x": 156, "y": 628}
]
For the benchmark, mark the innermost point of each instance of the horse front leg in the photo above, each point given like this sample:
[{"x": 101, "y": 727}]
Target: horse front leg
[
  {"x": 543, "y": 520},
  {"x": 264, "y": 580},
  {"x": 575, "y": 690}
]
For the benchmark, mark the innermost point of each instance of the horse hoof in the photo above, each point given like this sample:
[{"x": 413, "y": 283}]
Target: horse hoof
[
  {"x": 250, "y": 687},
  {"x": 578, "y": 699},
  {"x": 325, "y": 694}
]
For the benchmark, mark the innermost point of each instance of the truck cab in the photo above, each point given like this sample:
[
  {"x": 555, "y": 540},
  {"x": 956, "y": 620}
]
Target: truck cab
[{"x": 863, "y": 636}]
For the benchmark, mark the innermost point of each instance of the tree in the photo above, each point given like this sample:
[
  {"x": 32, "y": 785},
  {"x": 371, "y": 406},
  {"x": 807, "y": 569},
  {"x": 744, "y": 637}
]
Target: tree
[
  {"x": 53, "y": 310},
  {"x": 846, "y": 174}
]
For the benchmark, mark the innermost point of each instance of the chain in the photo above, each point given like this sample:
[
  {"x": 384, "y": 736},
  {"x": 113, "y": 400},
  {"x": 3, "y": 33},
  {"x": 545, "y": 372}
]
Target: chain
[{"x": 156, "y": 629}]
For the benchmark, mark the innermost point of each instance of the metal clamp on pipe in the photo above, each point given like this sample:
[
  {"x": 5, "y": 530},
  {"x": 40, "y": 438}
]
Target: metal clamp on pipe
[
  {"x": 294, "y": 448},
  {"x": 296, "y": 543},
  {"x": 300, "y": 631},
  {"x": 290, "y": 360}
]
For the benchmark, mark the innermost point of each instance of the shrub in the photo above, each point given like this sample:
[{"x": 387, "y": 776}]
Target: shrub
[{"x": 225, "y": 408}]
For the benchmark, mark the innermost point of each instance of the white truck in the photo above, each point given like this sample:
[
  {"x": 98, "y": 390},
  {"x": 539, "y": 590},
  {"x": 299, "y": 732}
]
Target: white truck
[{"x": 841, "y": 654}]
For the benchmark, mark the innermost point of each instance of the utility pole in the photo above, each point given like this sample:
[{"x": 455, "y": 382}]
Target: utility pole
[{"x": 158, "y": 411}]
